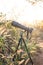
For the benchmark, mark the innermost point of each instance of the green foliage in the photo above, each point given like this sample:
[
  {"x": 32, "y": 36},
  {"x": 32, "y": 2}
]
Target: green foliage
[
  {"x": 32, "y": 47},
  {"x": 9, "y": 25},
  {"x": 13, "y": 48},
  {"x": 10, "y": 40},
  {"x": 1, "y": 23},
  {"x": 1, "y": 41}
]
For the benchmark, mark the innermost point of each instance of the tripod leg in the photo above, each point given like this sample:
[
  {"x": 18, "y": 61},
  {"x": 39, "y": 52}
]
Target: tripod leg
[
  {"x": 18, "y": 45},
  {"x": 16, "y": 49},
  {"x": 28, "y": 52}
]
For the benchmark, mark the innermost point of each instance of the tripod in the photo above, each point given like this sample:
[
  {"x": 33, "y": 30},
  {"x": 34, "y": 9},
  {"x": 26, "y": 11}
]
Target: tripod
[{"x": 20, "y": 43}]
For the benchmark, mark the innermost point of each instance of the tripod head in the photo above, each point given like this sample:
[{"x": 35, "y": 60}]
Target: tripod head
[{"x": 28, "y": 30}]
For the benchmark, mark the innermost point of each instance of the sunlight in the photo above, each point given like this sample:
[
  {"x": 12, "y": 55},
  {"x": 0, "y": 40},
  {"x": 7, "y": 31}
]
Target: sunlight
[{"x": 22, "y": 11}]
